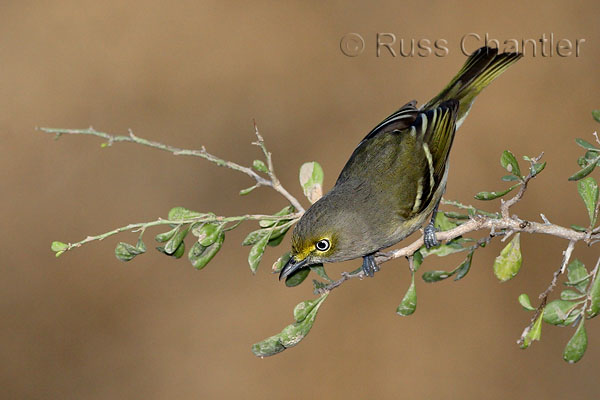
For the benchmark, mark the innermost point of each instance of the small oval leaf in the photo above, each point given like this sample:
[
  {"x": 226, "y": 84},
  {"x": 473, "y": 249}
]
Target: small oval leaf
[
  {"x": 508, "y": 263},
  {"x": 59, "y": 246},
  {"x": 586, "y": 145},
  {"x": 463, "y": 269},
  {"x": 173, "y": 243},
  {"x": 535, "y": 333},
  {"x": 570, "y": 295},
  {"x": 165, "y": 236},
  {"x": 311, "y": 180},
  {"x": 126, "y": 252},
  {"x": 588, "y": 190},
  {"x": 297, "y": 277},
  {"x": 577, "y": 275},
  {"x": 595, "y": 297},
  {"x": 256, "y": 253},
  {"x": 583, "y": 172},
  {"x": 200, "y": 256},
  {"x": 575, "y": 348},
  {"x": 525, "y": 302},
  {"x": 510, "y": 163},
  {"x": 561, "y": 312},
  {"x": 281, "y": 261},
  {"x": 494, "y": 195},
  {"x": 246, "y": 191},
  {"x": 435, "y": 276},
  {"x": 408, "y": 305},
  {"x": 260, "y": 166}
]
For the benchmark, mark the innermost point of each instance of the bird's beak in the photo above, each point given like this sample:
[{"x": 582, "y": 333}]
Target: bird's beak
[{"x": 291, "y": 266}]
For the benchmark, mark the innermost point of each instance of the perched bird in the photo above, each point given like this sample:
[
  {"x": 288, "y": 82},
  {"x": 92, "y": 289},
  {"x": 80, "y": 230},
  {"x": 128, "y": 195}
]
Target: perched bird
[{"x": 395, "y": 178}]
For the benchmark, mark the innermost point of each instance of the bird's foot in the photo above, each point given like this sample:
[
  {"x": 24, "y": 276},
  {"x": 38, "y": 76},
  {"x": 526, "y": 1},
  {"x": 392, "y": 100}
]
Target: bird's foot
[
  {"x": 429, "y": 235},
  {"x": 369, "y": 265}
]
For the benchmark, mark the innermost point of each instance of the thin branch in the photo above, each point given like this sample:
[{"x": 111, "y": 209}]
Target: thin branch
[
  {"x": 273, "y": 182},
  {"x": 142, "y": 226}
]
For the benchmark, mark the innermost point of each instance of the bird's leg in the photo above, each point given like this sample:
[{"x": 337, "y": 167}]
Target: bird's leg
[
  {"x": 369, "y": 265},
  {"x": 429, "y": 231}
]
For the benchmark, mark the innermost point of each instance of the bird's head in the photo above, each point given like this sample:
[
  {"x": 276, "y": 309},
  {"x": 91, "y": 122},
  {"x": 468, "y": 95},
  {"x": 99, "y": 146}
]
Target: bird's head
[{"x": 325, "y": 233}]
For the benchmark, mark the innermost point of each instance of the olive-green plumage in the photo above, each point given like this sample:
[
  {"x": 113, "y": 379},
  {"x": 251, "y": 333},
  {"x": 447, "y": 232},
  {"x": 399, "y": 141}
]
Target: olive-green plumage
[{"x": 396, "y": 176}]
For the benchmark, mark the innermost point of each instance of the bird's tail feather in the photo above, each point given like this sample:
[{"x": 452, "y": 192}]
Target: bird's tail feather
[{"x": 480, "y": 69}]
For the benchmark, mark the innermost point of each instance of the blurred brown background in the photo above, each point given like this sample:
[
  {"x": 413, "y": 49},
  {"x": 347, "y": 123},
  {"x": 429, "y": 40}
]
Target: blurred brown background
[{"x": 87, "y": 326}]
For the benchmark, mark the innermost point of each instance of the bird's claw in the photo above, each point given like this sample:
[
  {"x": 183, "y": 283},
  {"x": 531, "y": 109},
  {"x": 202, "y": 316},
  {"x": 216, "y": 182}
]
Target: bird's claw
[
  {"x": 369, "y": 265},
  {"x": 429, "y": 236}
]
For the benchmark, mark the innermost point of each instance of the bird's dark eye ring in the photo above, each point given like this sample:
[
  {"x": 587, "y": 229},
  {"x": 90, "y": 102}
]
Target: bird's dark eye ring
[{"x": 322, "y": 245}]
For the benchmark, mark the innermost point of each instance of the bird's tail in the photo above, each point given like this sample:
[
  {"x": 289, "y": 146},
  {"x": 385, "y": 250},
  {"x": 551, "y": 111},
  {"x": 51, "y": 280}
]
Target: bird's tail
[{"x": 481, "y": 68}]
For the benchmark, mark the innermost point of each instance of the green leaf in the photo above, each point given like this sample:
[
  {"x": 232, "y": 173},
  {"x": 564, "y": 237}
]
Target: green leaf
[
  {"x": 408, "y": 305},
  {"x": 538, "y": 167},
  {"x": 182, "y": 213},
  {"x": 510, "y": 163},
  {"x": 455, "y": 215},
  {"x": 583, "y": 172},
  {"x": 417, "y": 260},
  {"x": 509, "y": 178},
  {"x": 525, "y": 302},
  {"x": 586, "y": 145},
  {"x": 320, "y": 270},
  {"x": 578, "y": 228},
  {"x": 443, "y": 223},
  {"x": 588, "y": 190},
  {"x": 275, "y": 233},
  {"x": 268, "y": 347},
  {"x": 127, "y": 252},
  {"x": 575, "y": 348},
  {"x": 260, "y": 166},
  {"x": 256, "y": 253},
  {"x": 442, "y": 250},
  {"x": 595, "y": 297},
  {"x": 200, "y": 256},
  {"x": 463, "y": 269},
  {"x": 292, "y": 334},
  {"x": 508, "y": 263},
  {"x": 570, "y": 295},
  {"x": 297, "y": 277},
  {"x": 209, "y": 233},
  {"x": 561, "y": 312},
  {"x": 495, "y": 195},
  {"x": 596, "y": 115},
  {"x": 302, "y": 310},
  {"x": 59, "y": 246},
  {"x": 435, "y": 276},
  {"x": 246, "y": 191},
  {"x": 578, "y": 275},
  {"x": 535, "y": 333},
  {"x": 165, "y": 236},
  {"x": 173, "y": 243},
  {"x": 276, "y": 241},
  {"x": 311, "y": 180},
  {"x": 180, "y": 251},
  {"x": 281, "y": 261},
  {"x": 267, "y": 223}
]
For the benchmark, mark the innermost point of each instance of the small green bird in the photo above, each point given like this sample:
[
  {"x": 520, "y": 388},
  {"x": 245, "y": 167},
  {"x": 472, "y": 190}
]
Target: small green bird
[{"x": 395, "y": 178}]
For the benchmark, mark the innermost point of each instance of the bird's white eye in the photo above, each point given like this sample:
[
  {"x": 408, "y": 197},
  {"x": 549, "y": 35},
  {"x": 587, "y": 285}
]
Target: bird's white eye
[{"x": 322, "y": 245}]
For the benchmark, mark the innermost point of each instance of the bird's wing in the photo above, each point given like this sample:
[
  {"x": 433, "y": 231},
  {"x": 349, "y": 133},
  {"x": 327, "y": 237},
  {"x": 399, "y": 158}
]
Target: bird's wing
[
  {"x": 407, "y": 154},
  {"x": 401, "y": 119},
  {"x": 437, "y": 125}
]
